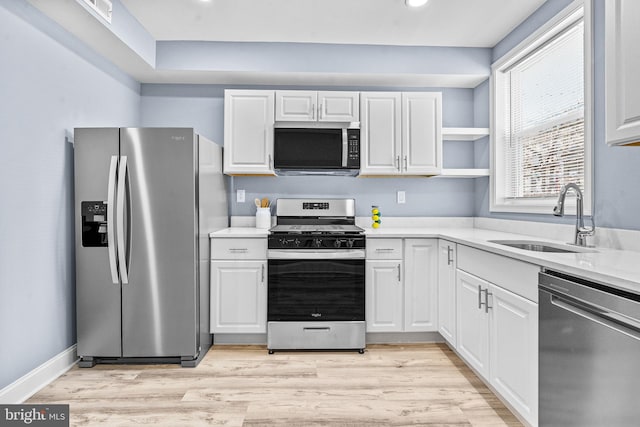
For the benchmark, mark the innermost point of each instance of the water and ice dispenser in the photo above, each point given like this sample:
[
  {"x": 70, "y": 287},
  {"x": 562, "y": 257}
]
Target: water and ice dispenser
[{"x": 94, "y": 224}]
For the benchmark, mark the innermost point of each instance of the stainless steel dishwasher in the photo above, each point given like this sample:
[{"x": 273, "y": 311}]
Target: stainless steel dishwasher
[{"x": 589, "y": 353}]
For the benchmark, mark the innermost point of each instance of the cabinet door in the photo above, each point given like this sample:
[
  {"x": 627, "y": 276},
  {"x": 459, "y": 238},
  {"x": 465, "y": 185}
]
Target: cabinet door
[
  {"x": 239, "y": 296},
  {"x": 380, "y": 133},
  {"x": 296, "y": 105},
  {"x": 420, "y": 285},
  {"x": 514, "y": 350},
  {"x": 248, "y": 132},
  {"x": 421, "y": 133},
  {"x": 447, "y": 291},
  {"x": 384, "y": 296},
  {"x": 339, "y": 106},
  {"x": 622, "y": 79},
  {"x": 472, "y": 322}
]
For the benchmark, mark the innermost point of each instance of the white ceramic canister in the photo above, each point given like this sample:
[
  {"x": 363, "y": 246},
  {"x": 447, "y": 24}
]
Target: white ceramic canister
[{"x": 263, "y": 218}]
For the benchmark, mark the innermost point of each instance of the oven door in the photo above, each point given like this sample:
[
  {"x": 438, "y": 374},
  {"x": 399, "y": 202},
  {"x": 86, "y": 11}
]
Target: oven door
[{"x": 312, "y": 289}]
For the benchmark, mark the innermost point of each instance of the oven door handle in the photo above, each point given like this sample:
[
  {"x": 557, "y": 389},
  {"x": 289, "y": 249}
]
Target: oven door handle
[{"x": 316, "y": 254}]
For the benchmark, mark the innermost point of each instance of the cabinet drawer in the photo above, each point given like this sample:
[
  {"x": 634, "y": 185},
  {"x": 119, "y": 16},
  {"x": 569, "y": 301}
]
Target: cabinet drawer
[
  {"x": 384, "y": 249},
  {"x": 238, "y": 248},
  {"x": 516, "y": 276}
]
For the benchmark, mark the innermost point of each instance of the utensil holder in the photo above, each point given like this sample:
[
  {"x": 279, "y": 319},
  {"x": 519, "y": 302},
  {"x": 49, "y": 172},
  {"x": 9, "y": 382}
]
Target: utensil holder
[{"x": 263, "y": 218}]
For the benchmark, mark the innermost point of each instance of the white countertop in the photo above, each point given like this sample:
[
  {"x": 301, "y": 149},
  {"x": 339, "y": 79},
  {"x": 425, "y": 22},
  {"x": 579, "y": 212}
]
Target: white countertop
[
  {"x": 246, "y": 232},
  {"x": 616, "y": 268},
  {"x": 619, "y": 269}
]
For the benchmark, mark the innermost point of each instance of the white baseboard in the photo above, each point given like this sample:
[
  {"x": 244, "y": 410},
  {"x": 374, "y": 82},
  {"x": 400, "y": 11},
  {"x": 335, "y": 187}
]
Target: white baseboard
[{"x": 29, "y": 384}]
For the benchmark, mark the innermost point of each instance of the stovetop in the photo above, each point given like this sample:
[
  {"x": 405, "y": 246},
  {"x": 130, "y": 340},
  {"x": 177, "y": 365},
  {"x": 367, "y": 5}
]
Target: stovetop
[
  {"x": 316, "y": 229},
  {"x": 316, "y": 224}
]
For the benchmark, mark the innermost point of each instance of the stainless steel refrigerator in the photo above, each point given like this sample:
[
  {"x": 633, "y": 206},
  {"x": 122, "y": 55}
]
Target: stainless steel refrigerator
[{"x": 145, "y": 201}]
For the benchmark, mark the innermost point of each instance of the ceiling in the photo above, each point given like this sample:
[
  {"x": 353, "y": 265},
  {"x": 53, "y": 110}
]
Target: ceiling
[
  {"x": 348, "y": 42},
  {"x": 464, "y": 23}
]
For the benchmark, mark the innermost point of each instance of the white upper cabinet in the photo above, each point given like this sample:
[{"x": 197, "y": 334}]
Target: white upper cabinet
[
  {"x": 380, "y": 133},
  {"x": 421, "y": 133},
  {"x": 248, "y": 132},
  {"x": 622, "y": 78},
  {"x": 339, "y": 106},
  {"x": 296, "y": 105},
  {"x": 401, "y": 133},
  {"x": 311, "y": 106}
]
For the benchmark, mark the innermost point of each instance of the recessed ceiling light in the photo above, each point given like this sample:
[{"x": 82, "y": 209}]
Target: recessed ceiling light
[{"x": 415, "y": 3}]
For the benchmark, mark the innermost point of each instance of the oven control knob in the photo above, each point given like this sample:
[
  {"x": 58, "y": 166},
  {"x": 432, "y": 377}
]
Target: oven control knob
[
  {"x": 337, "y": 243},
  {"x": 349, "y": 243},
  {"x": 283, "y": 241},
  {"x": 296, "y": 242},
  {"x": 317, "y": 242}
]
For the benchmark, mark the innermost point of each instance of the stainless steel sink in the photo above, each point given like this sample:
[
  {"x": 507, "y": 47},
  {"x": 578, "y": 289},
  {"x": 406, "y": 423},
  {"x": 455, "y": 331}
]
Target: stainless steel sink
[{"x": 539, "y": 246}]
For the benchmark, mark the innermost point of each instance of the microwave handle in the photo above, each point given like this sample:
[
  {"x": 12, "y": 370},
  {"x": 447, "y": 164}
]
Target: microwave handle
[{"x": 345, "y": 147}]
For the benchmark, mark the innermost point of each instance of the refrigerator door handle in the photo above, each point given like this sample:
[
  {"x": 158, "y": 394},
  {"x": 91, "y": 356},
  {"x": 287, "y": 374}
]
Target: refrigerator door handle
[
  {"x": 122, "y": 255},
  {"x": 111, "y": 220}
]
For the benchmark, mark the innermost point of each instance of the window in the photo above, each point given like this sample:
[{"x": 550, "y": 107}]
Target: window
[{"x": 541, "y": 134}]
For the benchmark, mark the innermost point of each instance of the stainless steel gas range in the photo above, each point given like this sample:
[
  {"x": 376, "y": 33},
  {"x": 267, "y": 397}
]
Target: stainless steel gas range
[{"x": 316, "y": 286}]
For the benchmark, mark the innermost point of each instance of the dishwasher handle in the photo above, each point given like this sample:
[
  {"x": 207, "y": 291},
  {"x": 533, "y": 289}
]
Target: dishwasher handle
[{"x": 611, "y": 320}]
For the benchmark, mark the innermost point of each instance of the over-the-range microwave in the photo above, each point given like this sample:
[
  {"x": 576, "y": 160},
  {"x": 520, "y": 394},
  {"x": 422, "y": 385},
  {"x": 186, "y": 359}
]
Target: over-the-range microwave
[{"x": 316, "y": 151}]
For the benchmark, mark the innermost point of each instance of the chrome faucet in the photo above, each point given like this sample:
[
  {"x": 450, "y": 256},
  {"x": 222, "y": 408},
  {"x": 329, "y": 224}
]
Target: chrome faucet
[{"x": 581, "y": 231}]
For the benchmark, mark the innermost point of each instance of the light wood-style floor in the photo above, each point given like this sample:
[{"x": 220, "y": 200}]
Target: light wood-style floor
[{"x": 390, "y": 385}]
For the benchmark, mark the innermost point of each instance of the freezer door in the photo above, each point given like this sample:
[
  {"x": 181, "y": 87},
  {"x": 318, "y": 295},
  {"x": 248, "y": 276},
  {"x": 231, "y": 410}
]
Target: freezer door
[
  {"x": 160, "y": 236},
  {"x": 97, "y": 293}
]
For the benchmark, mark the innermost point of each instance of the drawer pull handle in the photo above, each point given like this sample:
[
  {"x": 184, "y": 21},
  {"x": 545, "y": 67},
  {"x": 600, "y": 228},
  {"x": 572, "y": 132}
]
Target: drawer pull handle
[
  {"x": 384, "y": 250},
  {"x": 317, "y": 329},
  {"x": 238, "y": 250}
]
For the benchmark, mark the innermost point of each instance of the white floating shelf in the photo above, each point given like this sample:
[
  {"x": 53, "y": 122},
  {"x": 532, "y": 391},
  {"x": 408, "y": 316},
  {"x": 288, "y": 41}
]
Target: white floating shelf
[
  {"x": 464, "y": 134},
  {"x": 463, "y": 173}
]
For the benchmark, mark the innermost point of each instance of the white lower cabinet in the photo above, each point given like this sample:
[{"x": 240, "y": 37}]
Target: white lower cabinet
[
  {"x": 238, "y": 296},
  {"x": 401, "y": 294},
  {"x": 447, "y": 291},
  {"x": 497, "y": 329},
  {"x": 513, "y": 332},
  {"x": 383, "y": 294},
  {"x": 473, "y": 327},
  {"x": 238, "y": 285},
  {"x": 420, "y": 285}
]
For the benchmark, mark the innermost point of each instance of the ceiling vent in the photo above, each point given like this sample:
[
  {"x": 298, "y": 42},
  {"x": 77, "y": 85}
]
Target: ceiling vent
[{"x": 103, "y": 7}]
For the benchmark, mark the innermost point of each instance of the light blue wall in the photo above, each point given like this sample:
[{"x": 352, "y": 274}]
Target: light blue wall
[
  {"x": 320, "y": 58},
  {"x": 49, "y": 83},
  {"x": 616, "y": 169},
  {"x": 201, "y": 106}
]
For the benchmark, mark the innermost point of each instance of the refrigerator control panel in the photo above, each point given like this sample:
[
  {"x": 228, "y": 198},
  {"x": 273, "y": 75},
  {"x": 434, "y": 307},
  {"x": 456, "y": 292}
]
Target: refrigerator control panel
[{"x": 94, "y": 223}]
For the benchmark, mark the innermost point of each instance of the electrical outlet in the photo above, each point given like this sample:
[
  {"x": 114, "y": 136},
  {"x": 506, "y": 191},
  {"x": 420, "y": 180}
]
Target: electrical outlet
[
  {"x": 240, "y": 196},
  {"x": 401, "y": 197}
]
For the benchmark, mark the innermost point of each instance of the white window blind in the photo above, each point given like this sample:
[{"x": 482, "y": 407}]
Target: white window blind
[{"x": 544, "y": 119}]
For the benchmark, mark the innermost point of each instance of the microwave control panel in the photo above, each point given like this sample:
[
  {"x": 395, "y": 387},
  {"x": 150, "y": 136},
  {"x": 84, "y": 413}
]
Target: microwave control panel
[{"x": 353, "y": 154}]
